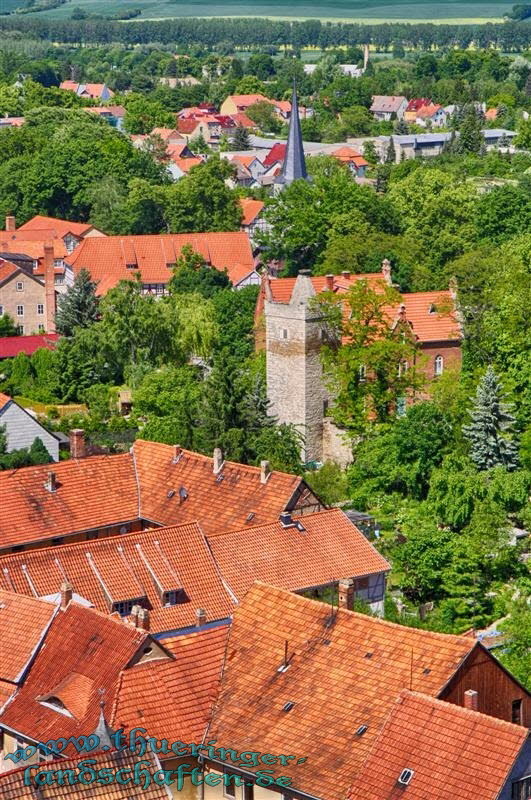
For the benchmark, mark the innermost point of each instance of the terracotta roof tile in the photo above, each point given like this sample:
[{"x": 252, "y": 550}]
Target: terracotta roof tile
[
  {"x": 329, "y": 548},
  {"x": 343, "y": 674},
  {"x": 173, "y": 699},
  {"x": 60, "y": 226},
  {"x": 108, "y": 490},
  {"x": 11, "y": 346},
  {"x": 23, "y": 622},
  {"x": 12, "y": 786},
  {"x": 186, "y": 164},
  {"x": 91, "y": 493},
  {"x": 243, "y": 101},
  {"x": 34, "y": 248},
  {"x": 85, "y": 652},
  {"x": 7, "y": 270},
  {"x": 129, "y": 567},
  {"x": 452, "y": 751},
  {"x": 242, "y": 119},
  {"x": 432, "y": 314},
  {"x": 107, "y": 257},
  {"x": 251, "y": 209},
  {"x": 4, "y": 400},
  {"x": 219, "y": 502},
  {"x": 277, "y": 153}
]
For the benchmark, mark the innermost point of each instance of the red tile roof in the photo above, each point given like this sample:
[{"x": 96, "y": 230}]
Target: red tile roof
[
  {"x": 349, "y": 155},
  {"x": 432, "y": 314},
  {"x": 129, "y": 567},
  {"x": 418, "y": 102},
  {"x": 425, "y": 112},
  {"x": 173, "y": 699},
  {"x": 33, "y": 248},
  {"x": 10, "y": 346},
  {"x": 4, "y": 400},
  {"x": 187, "y": 125},
  {"x": 243, "y": 101},
  {"x": 108, "y": 490},
  {"x": 344, "y": 672},
  {"x": 251, "y": 209},
  {"x": 186, "y": 164},
  {"x": 23, "y": 622},
  {"x": 242, "y": 119},
  {"x": 277, "y": 153},
  {"x": 7, "y": 269},
  {"x": 153, "y": 256},
  {"x": 329, "y": 548},
  {"x": 84, "y": 653},
  {"x": 13, "y": 787},
  {"x": 92, "y": 492},
  {"x": 60, "y": 226},
  {"x": 219, "y": 502},
  {"x": 453, "y": 752}
]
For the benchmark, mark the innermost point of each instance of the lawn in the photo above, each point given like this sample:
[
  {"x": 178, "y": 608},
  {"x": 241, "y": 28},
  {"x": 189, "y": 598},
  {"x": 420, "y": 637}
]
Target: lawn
[{"x": 336, "y": 10}]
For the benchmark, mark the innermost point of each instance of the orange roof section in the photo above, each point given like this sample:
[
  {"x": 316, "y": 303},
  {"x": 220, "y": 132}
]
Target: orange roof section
[
  {"x": 91, "y": 493},
  {"x": 13, "y": 786},
  {"x": 106, "y": 490},
  {"x": 251, "y": 209},
  {"x": 85, "y": 652},
  {"x": 131, "y": 566},
  {"x": 24, "y": 622},
  {"x": 453, "y": 752},
  {"x": 4, "y": 400},
  {"x": 34, "y": 248},
  {"x": 345, "y": 671},
  {"x": 226, "y": 501},
  {"x": 110, "y": 259},
  {"x": 246, "y": 100},
  {"x": 60, "y": 226},
  {"x": 328, "y": 548},
  {"x": 186, "y": 164},
  {"x": 432, "y": 314},
  {"x": 243, "y": 120},
  {"x": 7, "y": 269},
  {"x": 173, "y": 699}
]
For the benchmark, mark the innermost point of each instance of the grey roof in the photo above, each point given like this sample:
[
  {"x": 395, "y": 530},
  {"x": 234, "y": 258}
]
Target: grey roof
[
  {"x": 294, "y": 167},
  {"x": 420, "y": 139}
]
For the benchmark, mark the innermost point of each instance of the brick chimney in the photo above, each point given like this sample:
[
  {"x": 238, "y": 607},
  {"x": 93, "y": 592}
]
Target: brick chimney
[
  {"x": 386, "y": 271},
  {"x": 329, "y": 283},
  {"x": 346, "y": 274},
  {"x": 346, "y": 593},
  {"x": 51, "y": 482},
  {"x": 200, "y": 617},
  {"x": 265, "y": 471},
  {"x": 49, "y": 287},
  {"x": 66, "y": 595},
  {"x": 470, "y": 699},
  {"x": 143, "y": 619},
  {"x": 286, "y": 519},
  {"x": 217, "y": 460},
  {"x": 77, "y": 443},
  {"x": 11, "y": 224},
  {"x": 133, "y": 616},
  {"x": 177, "y": 451}
]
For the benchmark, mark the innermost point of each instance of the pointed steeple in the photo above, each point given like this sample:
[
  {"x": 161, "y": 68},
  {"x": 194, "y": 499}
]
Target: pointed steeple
[
  {"x": 103, "y": 730},
  {"x": 294, "y": 167}
]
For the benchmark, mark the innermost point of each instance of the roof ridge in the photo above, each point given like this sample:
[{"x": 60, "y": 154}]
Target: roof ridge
[
  {"x": 375, "y": 620},
  {"x": 276, "y": 521}
]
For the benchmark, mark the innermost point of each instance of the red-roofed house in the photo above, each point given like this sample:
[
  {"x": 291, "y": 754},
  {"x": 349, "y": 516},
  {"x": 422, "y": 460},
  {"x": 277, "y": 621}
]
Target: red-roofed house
[
  {"x": 253, "y": 221},
  {"x": 410, "y": 114},
  {"x": 235, "y": 103},
  {"x": 276, "y": 155},
  {"x": 352, "y": 159},
  {"x": 325, "y": 685},
  {"x": 432, "y": 115},
  {"x": 153, "y": 485},
  {"x": 111, "y": 259},
  {"x": 11, "y": 346},
  {"x": 293, "y": 350},
  {"x": 94, "y": 91}
]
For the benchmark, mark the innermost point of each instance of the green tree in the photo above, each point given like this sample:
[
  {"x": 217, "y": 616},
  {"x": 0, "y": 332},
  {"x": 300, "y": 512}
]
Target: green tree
[
  {"x": 517, "y": 629},
  {"x": 470, "y": 136},
  {"x": 375, "y": 367},
  {"x": 523, "y": 138},
  {"x": 143, "y": 114},
  {"x": 240, "y": 139},
  {"x": 7, "y": 326},
  {"x": 191, "y": 274},
  {"x": 79, "y": 306},
  {"x": 263, "y": 114},
  {"x": 491, "y": 422},
  {"x": 203, "y": 202}
]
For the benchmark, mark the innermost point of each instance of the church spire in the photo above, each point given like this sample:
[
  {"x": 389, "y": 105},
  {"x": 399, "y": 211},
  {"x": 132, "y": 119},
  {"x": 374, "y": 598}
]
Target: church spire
[{"x": 294, "y": 167}]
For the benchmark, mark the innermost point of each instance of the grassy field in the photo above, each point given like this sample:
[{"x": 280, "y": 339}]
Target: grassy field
[{"x": 372, "y": 11}]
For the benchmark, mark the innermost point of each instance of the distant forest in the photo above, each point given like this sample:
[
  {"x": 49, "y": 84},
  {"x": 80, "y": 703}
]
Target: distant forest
[{"x": 508, "y": 36}]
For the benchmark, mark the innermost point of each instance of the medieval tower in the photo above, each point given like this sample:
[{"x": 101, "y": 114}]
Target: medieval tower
[{"x": 295, "y": 387}]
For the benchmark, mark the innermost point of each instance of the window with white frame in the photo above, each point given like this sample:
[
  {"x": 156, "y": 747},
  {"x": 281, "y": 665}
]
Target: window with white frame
[
  {"x": 40, "y": 308},
  {"x": 20, "y": 311},
  {"x": 20, "y": 286},
  {"x": 20, "y": 330},
  {"x": 362, "y": 372},
  {"x": 439, "y": 365}
]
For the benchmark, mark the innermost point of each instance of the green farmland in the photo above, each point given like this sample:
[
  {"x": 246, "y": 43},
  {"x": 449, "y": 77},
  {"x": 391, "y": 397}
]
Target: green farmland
[{"x": 451, "y": 11}]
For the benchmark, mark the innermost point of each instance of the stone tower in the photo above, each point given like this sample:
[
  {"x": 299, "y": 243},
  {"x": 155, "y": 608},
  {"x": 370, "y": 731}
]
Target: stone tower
[{"x": 295, "y": 387}]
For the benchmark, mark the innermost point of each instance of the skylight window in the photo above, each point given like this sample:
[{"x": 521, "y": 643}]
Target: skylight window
[
  {"x": 288, "y": 706},
  {"x": 361, "y": 730},
  {"x": 404, "y": 779},
  {"x": 56, "y": 704}
]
